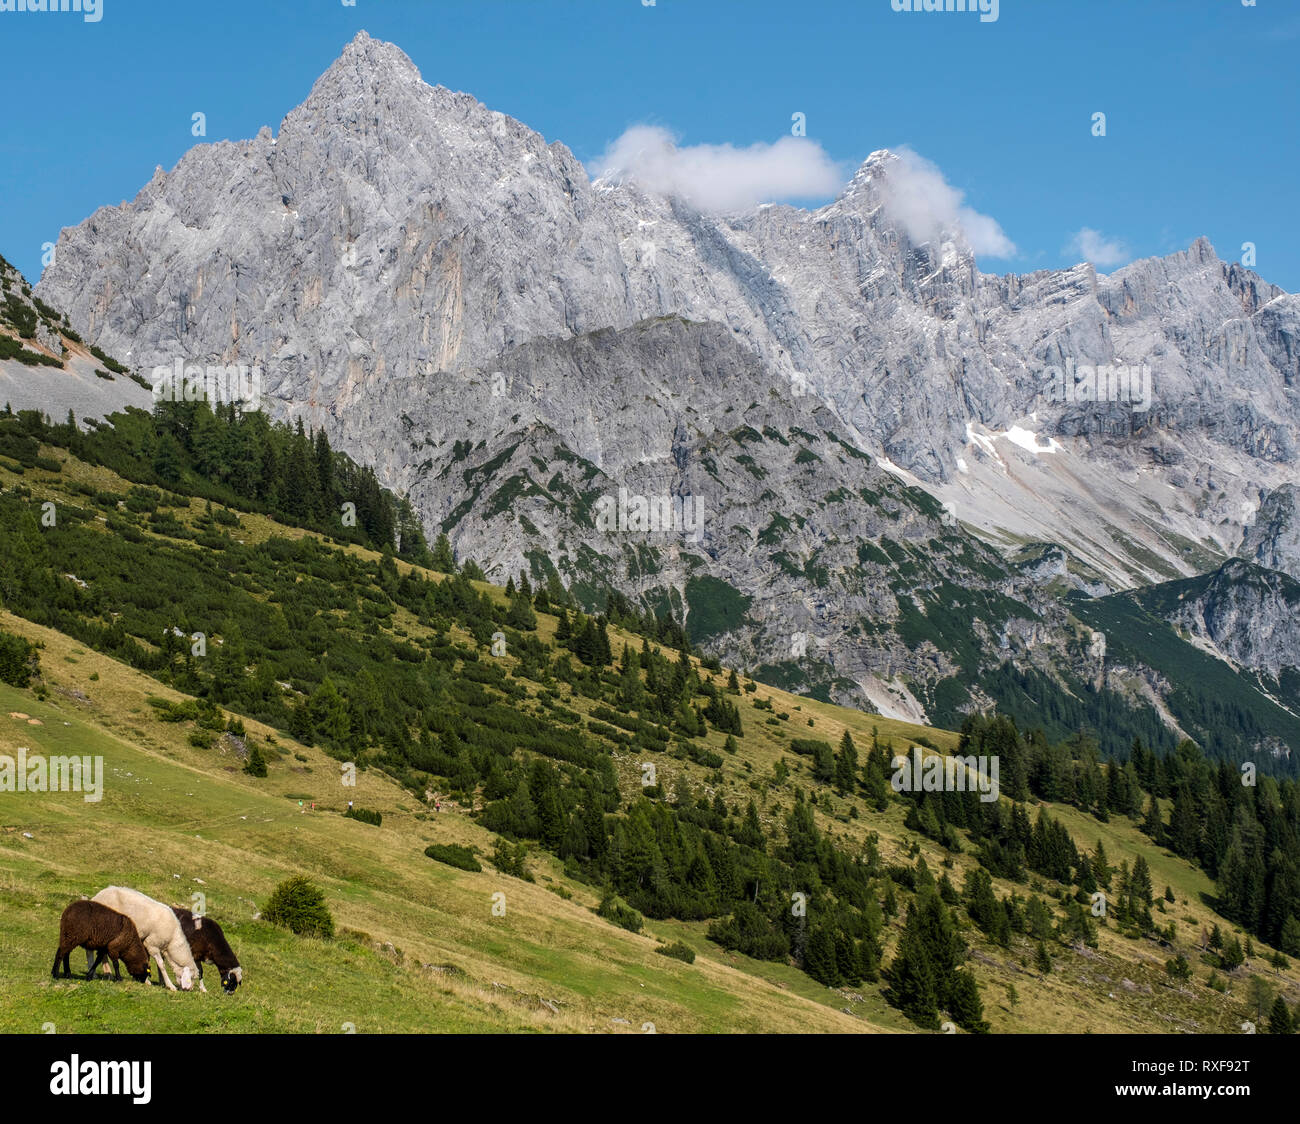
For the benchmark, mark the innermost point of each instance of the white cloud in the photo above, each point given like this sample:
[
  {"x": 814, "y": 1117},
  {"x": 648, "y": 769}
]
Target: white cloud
[
  {"x": 1093, "y": 246},
  {"x": 920, "y": 200},
  {"x": 720, "y": 177}
]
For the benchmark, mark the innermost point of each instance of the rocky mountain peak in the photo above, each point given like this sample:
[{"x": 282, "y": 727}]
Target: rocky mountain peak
[{"x": 380, "y": 60}]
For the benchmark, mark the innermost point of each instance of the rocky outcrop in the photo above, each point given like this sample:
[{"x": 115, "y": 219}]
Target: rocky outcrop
[
  {"x": 1273, "y": 541},
  {"x": 1248, "y": 614}
]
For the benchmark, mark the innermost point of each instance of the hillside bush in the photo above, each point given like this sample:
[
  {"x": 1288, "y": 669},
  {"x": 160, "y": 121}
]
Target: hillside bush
[
  {"x": 678, "y": 951},
  {"x": 453, "y": 854},
  {"x": 298, "y": 904},
  {"x": 255, "y": 766},
  {"x": 18, "y": 660},
  {"x": 611, "y": 909}
]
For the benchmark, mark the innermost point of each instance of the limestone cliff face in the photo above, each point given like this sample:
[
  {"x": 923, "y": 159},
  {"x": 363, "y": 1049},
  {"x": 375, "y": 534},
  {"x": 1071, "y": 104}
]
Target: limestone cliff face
[
  {"x": 1274, "y": 540},
  {"x": 1249, "y": 614}
]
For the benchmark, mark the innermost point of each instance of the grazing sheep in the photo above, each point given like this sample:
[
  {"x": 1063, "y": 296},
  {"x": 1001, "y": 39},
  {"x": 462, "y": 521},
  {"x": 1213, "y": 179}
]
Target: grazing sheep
[
  {"x": 208, "y": 942},
  {"x": 106, "y": 933},
  {"x": 159, "y": 930}
]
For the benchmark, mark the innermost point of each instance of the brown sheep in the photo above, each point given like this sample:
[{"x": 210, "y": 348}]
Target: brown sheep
[{"x": 105, "y": 932}]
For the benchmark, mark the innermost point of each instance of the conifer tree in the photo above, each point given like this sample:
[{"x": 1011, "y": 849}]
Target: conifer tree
[
  {"x": 912, "y": 983},
  {"x": 964, "y": 1004},
  {"x": 444, "y": 561},
  {"x": 846, "y": 765},
  {"x": 1280, "y": 1020},
  {"x": 820, "y": 960}
]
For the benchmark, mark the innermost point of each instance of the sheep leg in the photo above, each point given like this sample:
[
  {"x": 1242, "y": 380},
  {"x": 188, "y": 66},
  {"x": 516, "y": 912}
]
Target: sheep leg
[
  {"x": 162, "y": 971},
  {"x": 99, "y": 956},
  {"x": 60, "y": 955},
  {"x": 117, "y": 975}
]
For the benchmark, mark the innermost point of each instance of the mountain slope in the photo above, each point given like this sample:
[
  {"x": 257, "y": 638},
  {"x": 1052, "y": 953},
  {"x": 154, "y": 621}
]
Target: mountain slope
[{"x": 176, "y": 801}]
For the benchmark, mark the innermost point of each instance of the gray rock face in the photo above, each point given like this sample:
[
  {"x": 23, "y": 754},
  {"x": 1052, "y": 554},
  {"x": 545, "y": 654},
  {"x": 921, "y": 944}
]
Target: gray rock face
[
  {"x": 1250, "y": 615},
  {"x": 792, "y": 550},
  {"x": 459, "y": 305},
  {"x": 1274, "y": 539},
  {"x": 81, "y": 385}
]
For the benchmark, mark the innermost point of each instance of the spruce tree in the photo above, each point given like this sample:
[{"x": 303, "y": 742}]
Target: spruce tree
[
  {"x": 1232, "y": 957},
  {"x": 820, "y": 959},
  {"x": 846, "y": 765},
  {"x": 912, "y": 976},
  {"x": 1280, "y": 1020},
  {"x": 964, "y": 1004},
  {"x": 1101, "y": 870},
  {"x": 444, "y": 561}
]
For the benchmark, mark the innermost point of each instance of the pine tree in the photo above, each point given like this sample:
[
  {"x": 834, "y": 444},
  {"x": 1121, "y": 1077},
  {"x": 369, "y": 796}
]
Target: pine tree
[
  {"x": 820, "y": 959},
  {"x": 444, "y": 561},
  {"x": 1042, "y": 961},
  {"x": 846, "y": 765},
  {"x": 1152, "y": 824},
  {"x": 751, "y": 830},
  {"x": 1280, "y": 1020},
  {"x": 1289, "y": 942},
  {"x": 912, "y": 976},
  {"x": 1101, "y": 870},
  {"x": 268, "y": 474},
  {"x": 823, "y": 763},
  {"x": 168, "y": 459},
  {"x": 325, "y": 472},
  {"x": 255, "y": 766},
  {"x": 964, "y": 1004},
  {"x": 1260, "y": 994},
  {"x": 1183, "y": 836}
]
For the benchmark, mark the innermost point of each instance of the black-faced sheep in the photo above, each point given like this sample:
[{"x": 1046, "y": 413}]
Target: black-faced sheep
[
  {"x": 105, "y": 932},
  {"x": 208, "y": 942},
  {"x": 159, "y": 930}
]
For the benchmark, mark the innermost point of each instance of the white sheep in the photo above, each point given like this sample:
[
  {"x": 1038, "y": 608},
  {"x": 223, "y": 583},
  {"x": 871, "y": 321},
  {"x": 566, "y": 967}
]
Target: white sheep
[{"x": 159, "y": 930}]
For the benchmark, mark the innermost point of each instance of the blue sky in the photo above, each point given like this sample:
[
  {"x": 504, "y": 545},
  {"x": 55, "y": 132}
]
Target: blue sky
[{"x": 1200, "y": 96}]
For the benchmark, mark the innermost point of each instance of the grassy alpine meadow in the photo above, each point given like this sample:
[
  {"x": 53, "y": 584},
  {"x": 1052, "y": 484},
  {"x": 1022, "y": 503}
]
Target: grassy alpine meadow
[{"x": 418, "y": 947}]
